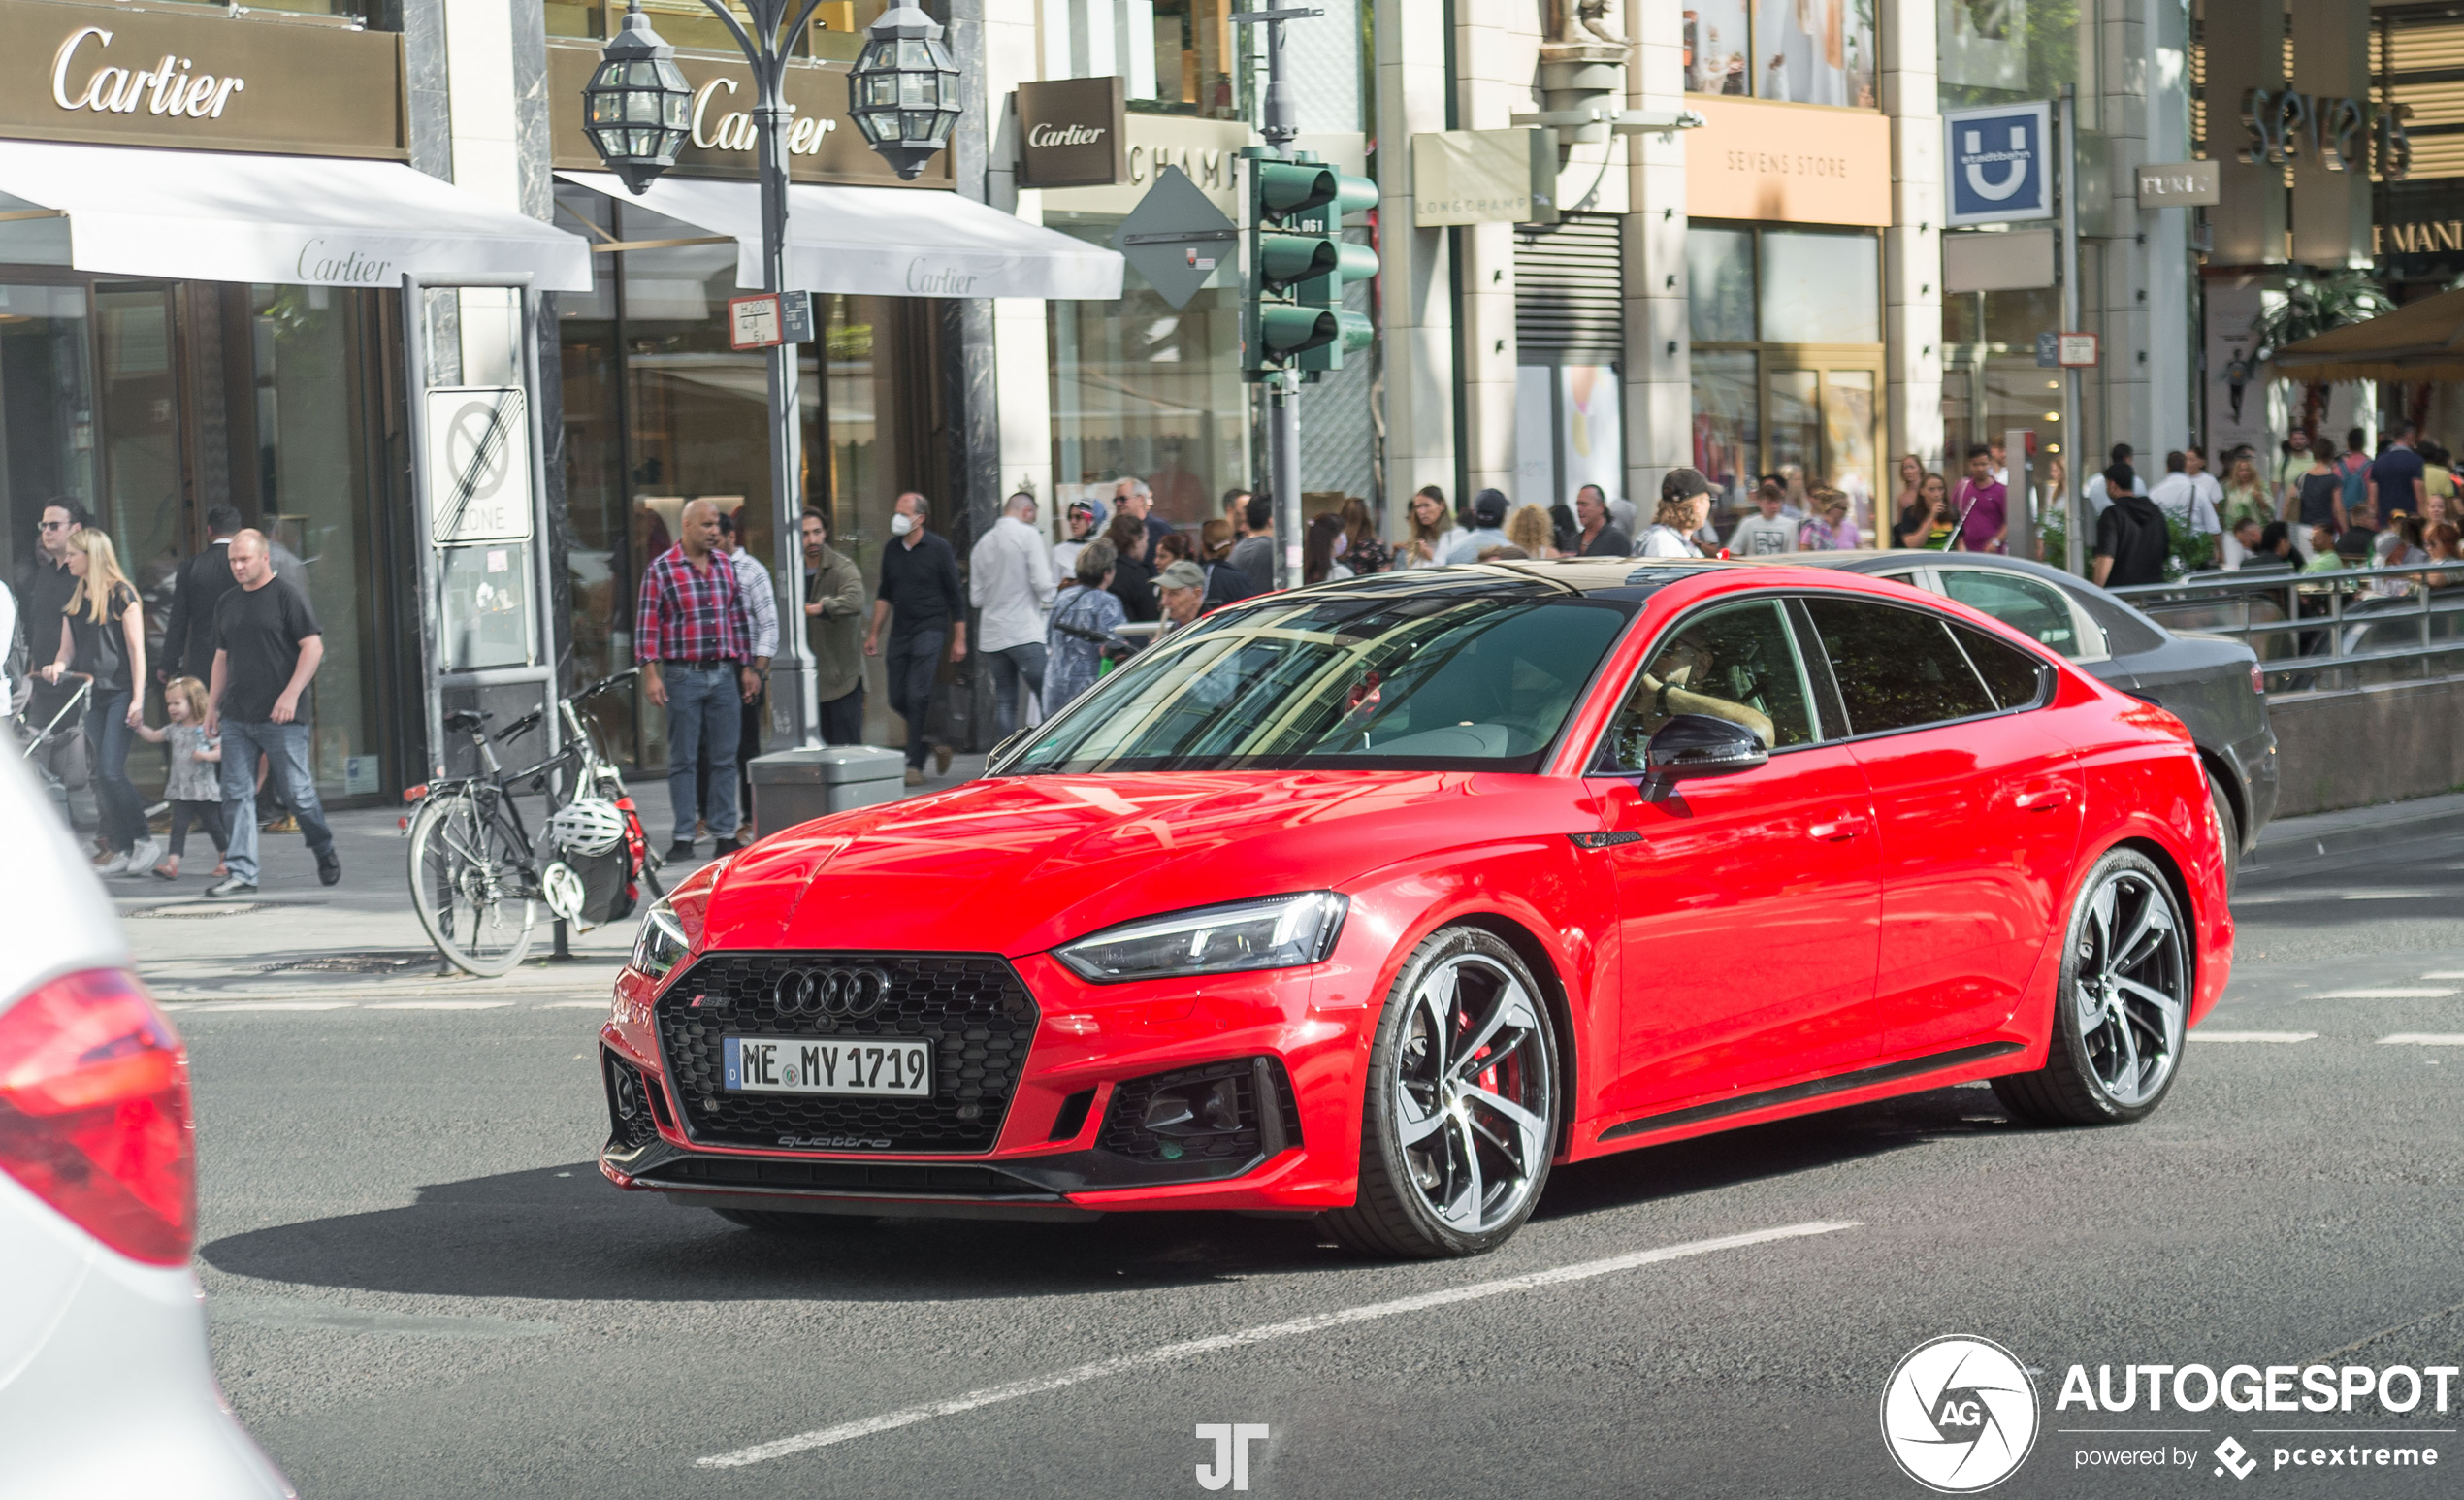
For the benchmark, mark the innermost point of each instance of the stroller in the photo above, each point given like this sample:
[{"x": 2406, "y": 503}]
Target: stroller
[{"x": 52, "y": 725}]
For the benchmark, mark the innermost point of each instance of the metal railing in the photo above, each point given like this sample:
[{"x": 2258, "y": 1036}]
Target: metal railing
[{"x": 2325, "y": 632}]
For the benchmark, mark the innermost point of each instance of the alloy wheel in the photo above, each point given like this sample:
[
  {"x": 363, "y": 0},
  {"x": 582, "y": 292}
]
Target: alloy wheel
[
  {"x": 1472, "y": 1094},
  {"x": 2131, "y": 987}
]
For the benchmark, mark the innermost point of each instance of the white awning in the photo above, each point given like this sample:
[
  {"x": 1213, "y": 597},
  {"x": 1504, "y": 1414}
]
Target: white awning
[
  {"x": 885, "y": 242},
  {"x": 221, "y": 216}
]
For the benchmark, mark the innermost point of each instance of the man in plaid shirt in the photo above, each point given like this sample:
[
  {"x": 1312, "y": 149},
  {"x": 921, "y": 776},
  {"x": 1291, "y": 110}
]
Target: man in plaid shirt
[{"x": 693, "y": 639}]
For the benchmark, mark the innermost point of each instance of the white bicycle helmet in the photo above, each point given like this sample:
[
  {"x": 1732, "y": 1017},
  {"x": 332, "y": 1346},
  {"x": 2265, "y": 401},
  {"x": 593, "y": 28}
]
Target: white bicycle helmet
[{"x": 587, "y": 825}]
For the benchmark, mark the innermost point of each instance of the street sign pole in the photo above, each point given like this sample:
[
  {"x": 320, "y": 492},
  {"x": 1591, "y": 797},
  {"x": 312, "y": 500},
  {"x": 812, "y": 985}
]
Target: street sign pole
[
  {"x": 1278, "y": 123},
  {"x": 2074, "y": 445}
]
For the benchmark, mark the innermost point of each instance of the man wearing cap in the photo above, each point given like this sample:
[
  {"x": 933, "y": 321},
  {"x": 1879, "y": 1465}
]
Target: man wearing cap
[
  {"x": 1181, "y": 590},
  {"x": 1685, "y": 505},
  {"x": 1488, "y": 528}
]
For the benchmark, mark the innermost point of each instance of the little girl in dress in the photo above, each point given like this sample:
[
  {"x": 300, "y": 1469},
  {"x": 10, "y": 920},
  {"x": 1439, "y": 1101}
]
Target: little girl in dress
[{"x": 195, "y": 787}]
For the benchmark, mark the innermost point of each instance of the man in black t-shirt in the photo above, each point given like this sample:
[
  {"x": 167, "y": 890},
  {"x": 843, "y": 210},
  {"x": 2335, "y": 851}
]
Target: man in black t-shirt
[
  {"x": 2132, "y": 540},
  {"x": 267, "y": 649},
  {"x": 924, "y": 605}
]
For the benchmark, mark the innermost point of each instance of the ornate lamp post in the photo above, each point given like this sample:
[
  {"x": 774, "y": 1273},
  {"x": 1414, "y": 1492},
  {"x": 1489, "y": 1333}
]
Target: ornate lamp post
[{"x": 904, "y": 95}]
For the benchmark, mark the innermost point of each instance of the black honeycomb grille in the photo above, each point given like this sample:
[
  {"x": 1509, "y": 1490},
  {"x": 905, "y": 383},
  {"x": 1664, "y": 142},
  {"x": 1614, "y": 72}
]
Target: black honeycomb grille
[{"x": 972, "y": 1007}]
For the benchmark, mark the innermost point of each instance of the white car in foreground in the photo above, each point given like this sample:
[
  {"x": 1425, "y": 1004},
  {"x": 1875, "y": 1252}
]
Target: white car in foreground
[{"x": 106, "y": 1388}]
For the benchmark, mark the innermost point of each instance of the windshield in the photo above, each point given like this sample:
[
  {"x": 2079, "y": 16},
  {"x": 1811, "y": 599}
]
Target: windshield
[{"x": 1420, "y": 681}]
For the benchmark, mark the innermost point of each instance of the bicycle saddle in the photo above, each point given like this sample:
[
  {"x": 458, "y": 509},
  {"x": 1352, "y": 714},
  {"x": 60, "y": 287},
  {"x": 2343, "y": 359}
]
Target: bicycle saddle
[{"x": 466, "y": 721}]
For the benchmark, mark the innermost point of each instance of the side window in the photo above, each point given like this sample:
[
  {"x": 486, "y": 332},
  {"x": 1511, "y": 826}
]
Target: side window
[
  {"x": 1736, "y": 662},
  {"x": 2036, "y": 610},
  {"x": 1895, "y": 667},
  {"x": 2016, "y": 679}
]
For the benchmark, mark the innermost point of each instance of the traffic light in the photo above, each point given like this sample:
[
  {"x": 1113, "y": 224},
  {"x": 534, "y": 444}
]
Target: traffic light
[{"x": 1291, "y": 309}]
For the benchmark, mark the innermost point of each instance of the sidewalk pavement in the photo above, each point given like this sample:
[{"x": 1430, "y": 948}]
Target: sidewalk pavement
[
  {"x": 298, "y": 942},
  {"x": 2319, "y": 833}
]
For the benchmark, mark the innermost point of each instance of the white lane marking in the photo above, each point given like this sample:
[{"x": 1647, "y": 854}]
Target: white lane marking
[
  {"x": 2447, "y": 973},
  {"x": 572, "y": 1005},
  {"x": 2394, "y": 993},
  {"x": 2253, "y": 1036},
  {"x": 218, "y": 1006},
  {"x": 1174, "y": 1353},
  {"x": 2423, "y": 1039},
  {"x": 448, "y": 1004}
]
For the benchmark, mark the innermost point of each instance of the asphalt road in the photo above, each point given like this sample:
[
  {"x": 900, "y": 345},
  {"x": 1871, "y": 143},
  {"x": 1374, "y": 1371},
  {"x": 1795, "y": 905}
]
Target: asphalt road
[{"x": 420, "y": 1287}]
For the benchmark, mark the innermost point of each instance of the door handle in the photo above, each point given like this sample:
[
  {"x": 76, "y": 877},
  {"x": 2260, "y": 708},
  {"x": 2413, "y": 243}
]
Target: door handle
[
  {"x": 2042, "y": 798},
  {"x": 1836, "y": 831}
]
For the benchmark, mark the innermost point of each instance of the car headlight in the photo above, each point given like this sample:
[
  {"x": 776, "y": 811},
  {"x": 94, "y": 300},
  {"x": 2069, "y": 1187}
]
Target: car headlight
[
  {"x": 661, "y": 944},
  {"x": 1282, "y": 931}
]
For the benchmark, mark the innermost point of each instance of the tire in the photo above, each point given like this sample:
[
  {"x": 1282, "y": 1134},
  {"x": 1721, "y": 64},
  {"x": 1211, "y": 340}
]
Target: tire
[
  {"x": 1449, "y": 1167},
  {"x": 769, "y": 1221},
  {"x": 469, "y": 887},
  {"x": 2228, "y": 826},
  {"x": 2119, "y": 1017}
]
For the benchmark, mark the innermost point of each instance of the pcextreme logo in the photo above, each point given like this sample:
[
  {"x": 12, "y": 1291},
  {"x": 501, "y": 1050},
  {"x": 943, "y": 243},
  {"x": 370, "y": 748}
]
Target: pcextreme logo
[{"x": 1959, "y": 1415}]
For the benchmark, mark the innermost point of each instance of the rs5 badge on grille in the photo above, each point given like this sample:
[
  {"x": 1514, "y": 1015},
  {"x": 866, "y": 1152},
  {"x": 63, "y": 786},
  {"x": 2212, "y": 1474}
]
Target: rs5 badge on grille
[{"x": 787, "y": 1064}]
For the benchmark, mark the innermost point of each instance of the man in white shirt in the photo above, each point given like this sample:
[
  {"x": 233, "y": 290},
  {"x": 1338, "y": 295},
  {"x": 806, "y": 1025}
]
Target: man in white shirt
[
  {"x": 2094, "y": 491},
  {"x": 2204, "y": 484},
  {"x": 1010, "y": 578},
  {"x": 2178, "y": 497},
  {"x": 1768, "y": 534}
]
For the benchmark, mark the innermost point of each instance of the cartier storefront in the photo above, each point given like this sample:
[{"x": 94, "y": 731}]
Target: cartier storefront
[
  {"x": 660, "y": 409},
  {"x": 205, "y": 223}
]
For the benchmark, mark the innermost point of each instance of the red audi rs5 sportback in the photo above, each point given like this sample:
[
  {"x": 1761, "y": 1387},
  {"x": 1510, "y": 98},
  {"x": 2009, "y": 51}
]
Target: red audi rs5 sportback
[{"x": 1373, "y": 900}]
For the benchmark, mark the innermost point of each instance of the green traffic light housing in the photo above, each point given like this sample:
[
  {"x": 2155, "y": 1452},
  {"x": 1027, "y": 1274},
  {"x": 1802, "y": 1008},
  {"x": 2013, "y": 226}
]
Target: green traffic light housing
[{"x": 1292, "y": 313}]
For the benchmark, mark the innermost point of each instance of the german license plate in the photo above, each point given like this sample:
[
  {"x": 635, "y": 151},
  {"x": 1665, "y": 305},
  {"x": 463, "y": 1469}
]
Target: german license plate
[{"x": 791, "y": 1064}]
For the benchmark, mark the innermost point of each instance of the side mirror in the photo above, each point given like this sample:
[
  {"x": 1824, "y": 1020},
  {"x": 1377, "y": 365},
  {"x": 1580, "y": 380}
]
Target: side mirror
[{"x": 1696, "y": 744}]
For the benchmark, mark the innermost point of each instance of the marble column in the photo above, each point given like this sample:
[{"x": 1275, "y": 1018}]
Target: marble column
[
  {"x": 1417, "y": 329},
  {"x": 1911, "y": 249},
  {"x": 1659, "y": 392}
]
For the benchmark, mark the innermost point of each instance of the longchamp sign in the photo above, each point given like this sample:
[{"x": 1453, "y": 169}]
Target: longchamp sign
[{"x": 130, "y": 77}]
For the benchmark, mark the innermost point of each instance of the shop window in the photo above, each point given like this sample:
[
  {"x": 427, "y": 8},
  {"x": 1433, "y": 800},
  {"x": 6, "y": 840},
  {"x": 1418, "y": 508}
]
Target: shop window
[
  {"x": 312, "y": 481},
  {"x": 1787, "y": 362},
  {"x": 1173, "y": 56},
  {"x": 47, "y": 415},
  {"x": 1820, "y": 288},
  {"x": 1806, "y": 52},
  {"x": 1718, "y": 274}
]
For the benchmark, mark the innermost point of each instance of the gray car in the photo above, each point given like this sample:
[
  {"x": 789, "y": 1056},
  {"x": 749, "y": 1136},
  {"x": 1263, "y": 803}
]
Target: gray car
[{"x": 2211, "y": 684}]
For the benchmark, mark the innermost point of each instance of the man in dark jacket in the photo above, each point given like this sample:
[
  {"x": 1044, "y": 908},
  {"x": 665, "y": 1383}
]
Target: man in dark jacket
[
  {"x": 1599, "y": 536},
  {"x": 202, "y": 580},
  {"x": 45, "y": 583},
  {"x": 2132, "y": 540},
  {"x": 924, "y": 605}
]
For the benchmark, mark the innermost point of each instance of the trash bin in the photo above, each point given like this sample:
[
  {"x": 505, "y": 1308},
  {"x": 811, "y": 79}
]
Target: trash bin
[{"x": 797, "y": 786}]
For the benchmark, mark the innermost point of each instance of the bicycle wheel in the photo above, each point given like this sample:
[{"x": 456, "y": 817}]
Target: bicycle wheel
[{"x": 468, "y": 885}]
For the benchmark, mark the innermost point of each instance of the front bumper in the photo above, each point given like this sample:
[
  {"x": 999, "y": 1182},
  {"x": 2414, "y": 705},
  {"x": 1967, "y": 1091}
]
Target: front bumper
[{"x": 1086, "y": 1125}]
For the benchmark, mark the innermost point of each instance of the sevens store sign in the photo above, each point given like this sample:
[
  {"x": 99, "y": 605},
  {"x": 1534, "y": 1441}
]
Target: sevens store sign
[{"x": 479, "y": 465}]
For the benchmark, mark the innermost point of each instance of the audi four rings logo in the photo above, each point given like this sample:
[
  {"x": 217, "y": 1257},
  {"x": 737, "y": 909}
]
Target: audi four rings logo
[{"x": 836, "y": 992}]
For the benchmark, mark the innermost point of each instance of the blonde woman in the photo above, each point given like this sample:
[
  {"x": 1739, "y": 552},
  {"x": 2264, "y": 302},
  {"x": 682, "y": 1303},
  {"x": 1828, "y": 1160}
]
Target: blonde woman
[
  {"x": 102, "y": 635},
  {"x": 1528, "y": 528}
]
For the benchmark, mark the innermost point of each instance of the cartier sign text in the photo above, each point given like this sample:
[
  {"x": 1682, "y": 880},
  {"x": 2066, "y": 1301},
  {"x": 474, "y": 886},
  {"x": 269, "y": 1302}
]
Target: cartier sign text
[{"x": 168, "y": 88}]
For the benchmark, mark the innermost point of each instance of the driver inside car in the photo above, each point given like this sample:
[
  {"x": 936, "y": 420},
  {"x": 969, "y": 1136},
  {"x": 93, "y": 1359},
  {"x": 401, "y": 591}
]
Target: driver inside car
[{"x": 1736, "y": 664}]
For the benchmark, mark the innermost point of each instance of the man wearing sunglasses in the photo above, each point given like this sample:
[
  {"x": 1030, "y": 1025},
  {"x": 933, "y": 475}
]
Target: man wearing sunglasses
[{"x": 45, "y": 583}]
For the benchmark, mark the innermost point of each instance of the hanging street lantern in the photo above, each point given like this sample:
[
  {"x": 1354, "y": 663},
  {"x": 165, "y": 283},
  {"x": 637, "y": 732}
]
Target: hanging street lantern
[
  {"x": 904, "y": 88},
  {"x": 637, "y": 106}
]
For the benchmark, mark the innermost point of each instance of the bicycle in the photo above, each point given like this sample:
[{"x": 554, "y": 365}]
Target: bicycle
[{"x": 478, "y": 877}]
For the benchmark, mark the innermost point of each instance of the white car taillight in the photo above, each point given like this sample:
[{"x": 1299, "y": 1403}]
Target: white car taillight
[{"x": 94, "y": 1116}]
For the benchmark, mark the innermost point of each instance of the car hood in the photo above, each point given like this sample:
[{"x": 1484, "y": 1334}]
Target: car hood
[{"x": 1018, "y": 864}]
